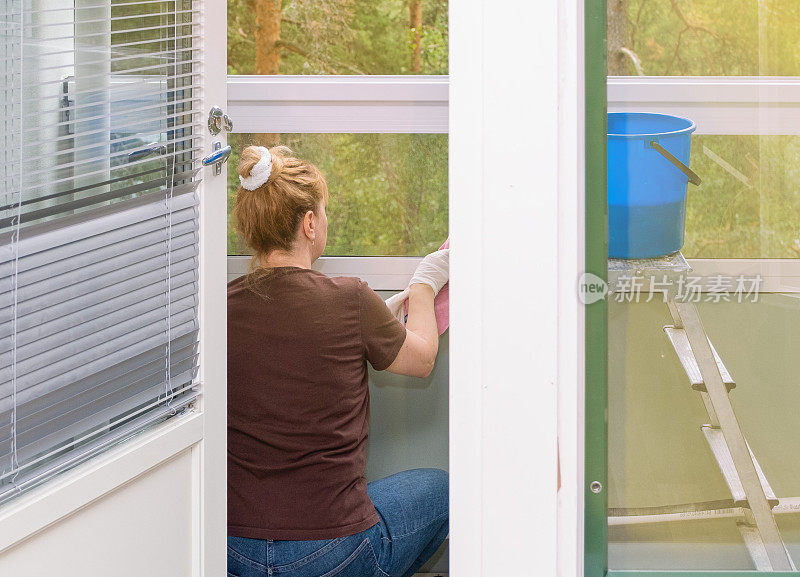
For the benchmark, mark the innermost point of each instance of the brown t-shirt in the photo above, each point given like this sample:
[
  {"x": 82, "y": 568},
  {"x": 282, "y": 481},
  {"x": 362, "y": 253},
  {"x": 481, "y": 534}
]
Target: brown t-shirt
[{"x": 298, "y": 403}]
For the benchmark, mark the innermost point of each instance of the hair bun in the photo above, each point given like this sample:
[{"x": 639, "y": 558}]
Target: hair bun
[{"x": 257, "y": 174}]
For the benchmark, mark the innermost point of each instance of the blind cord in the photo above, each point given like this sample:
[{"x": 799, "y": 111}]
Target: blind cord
[
  {"x": 15, "y": 241},
  {"x": 169, "y": 195},
  {"x": 170, "y": 186}
]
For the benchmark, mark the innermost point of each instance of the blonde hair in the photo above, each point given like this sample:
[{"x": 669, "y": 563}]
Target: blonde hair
[{"x": 268, "y": 217}]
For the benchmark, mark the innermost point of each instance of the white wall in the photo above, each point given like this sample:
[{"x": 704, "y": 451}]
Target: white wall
[{"x": 142, "y": 528}]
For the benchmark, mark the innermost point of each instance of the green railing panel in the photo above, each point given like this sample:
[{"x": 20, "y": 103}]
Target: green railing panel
[{"x": 595, "y": 524}]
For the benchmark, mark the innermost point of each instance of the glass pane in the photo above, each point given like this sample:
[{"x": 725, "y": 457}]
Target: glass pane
[
  {"x": 337, "y": 36},
  {"x": 702, "y": 352},
  {"x": 703, "y": 38},
  {"x": 388, "y": 192},
  {"x": 748, "y": 205}
]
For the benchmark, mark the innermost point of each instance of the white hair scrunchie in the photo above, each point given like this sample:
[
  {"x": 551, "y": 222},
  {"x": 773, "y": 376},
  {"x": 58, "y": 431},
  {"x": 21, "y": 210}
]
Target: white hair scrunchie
[{"x": 260, "y": 172}]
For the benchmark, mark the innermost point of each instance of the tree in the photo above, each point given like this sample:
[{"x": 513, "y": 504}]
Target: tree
[
  {"x": 267, "y": 36},
  {"x": 415, "y": 25},
  {"x": 616, "y": 37}
]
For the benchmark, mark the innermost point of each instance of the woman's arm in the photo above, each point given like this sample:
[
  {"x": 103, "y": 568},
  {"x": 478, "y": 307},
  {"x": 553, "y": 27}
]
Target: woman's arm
[{"x": 418, "y": 353}]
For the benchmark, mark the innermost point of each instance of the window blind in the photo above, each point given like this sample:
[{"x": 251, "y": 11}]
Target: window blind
[{"x": 98, "y": 227}]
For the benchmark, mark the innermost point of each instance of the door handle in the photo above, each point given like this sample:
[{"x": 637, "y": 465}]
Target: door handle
[{"x": 218, "y": 157}]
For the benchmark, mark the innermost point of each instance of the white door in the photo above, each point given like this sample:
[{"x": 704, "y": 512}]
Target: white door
[{"x": 112, "y": 289}]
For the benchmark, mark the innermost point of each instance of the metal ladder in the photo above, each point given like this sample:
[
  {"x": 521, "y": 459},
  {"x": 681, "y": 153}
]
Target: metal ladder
[{"x": 708, "y": 376}]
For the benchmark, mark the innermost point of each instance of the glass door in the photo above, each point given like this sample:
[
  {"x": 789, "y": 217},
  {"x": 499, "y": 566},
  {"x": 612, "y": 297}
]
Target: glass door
[{"x": 692, "y": 355}]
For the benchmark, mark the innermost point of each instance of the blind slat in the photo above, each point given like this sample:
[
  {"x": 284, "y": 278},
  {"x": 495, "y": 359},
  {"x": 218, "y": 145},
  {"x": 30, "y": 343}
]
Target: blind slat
[
  {"x": 69, "y": 200},
  {"x": 119, "y": 86},
  {"x": 40, "y": 408},
  {"x": 103, "y": 343},
  {"x": 131, "y": 345},
  {"x": 150, "y": 68},
  {"x": 123, "y": 144},
  {"x": 71, "y": 188},
  {"x": 121, "y": 57},
  {"x": 133, "y": 107},
  {"x": 64, "y": 315},
  {"x": 74, "y": 8},
  {"x": 182, "y": 223},
  {"x": 143, "y": 188},
  {"x": 40, "y": 347},
  {"x": 129, "y": 127},
  {"x": 32, "y": 397},
  {"x": 69, "y": 206},
  {"x": 104, "y": 35},
  {"x": 62, "y": 287},
  {"x": 122, "y": 154},
  {"x": 157, "y": 91},
  {"x": 122, "y": 282},
  {"x": 119, "y": 19},
  {"x": 73, "y": 228},
  {"x": 42, "y": 438},
  {"x": 63, "y": 415}
]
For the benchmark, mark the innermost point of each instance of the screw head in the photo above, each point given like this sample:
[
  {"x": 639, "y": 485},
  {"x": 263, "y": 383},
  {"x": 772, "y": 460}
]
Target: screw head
[{"x": 595, "y": 487}]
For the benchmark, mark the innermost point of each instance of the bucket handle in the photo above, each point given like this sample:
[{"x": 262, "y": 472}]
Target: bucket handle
[{"x": 693, "y": 178}]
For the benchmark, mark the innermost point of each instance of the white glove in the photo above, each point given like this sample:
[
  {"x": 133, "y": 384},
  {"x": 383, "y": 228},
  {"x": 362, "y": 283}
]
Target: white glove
[
  {"x": 434, "y": 270},
  {"x": 395, "y": 304}
]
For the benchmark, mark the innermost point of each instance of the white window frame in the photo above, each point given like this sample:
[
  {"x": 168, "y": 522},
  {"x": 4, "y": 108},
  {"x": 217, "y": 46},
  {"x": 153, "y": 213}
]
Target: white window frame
[
  {"x": 339, "y": 104},
  {"x": 761, "y": 105}
]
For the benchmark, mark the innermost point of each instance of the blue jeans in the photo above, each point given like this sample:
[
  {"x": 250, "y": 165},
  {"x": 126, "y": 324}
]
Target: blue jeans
[{"x": 413, "y": 510}]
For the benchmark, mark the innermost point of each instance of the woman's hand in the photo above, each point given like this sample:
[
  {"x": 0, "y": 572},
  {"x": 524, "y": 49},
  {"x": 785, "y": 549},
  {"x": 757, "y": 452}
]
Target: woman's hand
[
  {"x": 434, "y": 270},
  {"x": 418, "y": 353}
]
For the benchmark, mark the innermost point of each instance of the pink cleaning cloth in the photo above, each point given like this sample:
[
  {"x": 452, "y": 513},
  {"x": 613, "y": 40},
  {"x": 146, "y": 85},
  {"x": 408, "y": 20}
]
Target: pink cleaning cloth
[{"x": 441, "y": 304}]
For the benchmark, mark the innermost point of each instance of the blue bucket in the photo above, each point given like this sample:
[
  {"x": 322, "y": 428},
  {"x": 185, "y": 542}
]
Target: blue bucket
[{"x": 648, "y": 172}]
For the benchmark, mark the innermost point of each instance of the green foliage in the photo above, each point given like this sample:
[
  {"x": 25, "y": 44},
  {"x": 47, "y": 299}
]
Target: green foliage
[
  {"x": 342, "y": 37},
  {"x": 388, "y": 192},
  {"x": 749, "y": 202},
  {"x": 714, "y": 37}
]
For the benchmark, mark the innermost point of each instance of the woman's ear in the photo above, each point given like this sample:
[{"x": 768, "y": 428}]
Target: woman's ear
[{"x": 310, "y": 225}]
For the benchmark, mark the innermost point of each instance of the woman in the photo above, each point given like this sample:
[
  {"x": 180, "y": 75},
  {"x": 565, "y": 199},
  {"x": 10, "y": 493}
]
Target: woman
[{"x": 298, "y": 401}]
